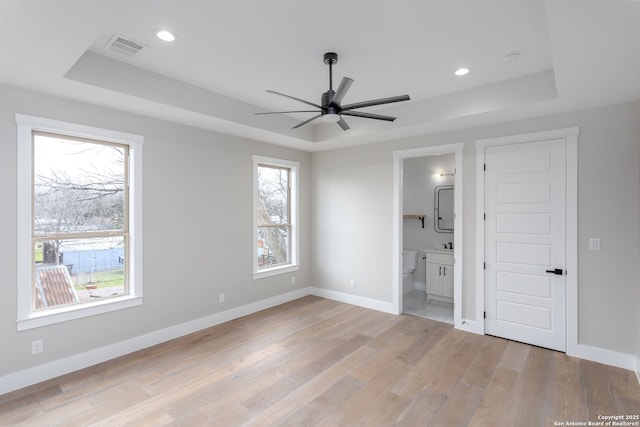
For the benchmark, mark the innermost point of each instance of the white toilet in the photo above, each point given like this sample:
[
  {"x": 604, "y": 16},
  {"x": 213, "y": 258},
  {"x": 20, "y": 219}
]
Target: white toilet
[{"x": 409, "y": 262}]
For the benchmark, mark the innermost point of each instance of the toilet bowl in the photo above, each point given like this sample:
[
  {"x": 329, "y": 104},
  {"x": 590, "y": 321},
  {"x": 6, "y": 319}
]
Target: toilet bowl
[{"x": 409, "y": 262}]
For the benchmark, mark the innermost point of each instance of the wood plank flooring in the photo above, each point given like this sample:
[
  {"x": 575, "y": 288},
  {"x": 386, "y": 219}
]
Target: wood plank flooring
[{"x": 317, "y": 362}]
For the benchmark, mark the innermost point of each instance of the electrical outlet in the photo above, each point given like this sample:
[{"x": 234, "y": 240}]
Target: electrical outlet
[
  {"x": 293, "y": 280},
  {"x": 221, "y": 298},
  {"x": 37, "y": 346},
  {"x": 352, "y": 283},
  {"x": 594, "y": 244}
]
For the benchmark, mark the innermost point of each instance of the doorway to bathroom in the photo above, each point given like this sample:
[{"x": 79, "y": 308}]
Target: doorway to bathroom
[{"x": 428, "y": 232}]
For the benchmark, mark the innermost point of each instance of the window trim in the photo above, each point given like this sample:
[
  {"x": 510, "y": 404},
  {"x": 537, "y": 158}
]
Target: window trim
[
  {"x": 26, "y": 318},
  {"x": 293, "y": 264}
]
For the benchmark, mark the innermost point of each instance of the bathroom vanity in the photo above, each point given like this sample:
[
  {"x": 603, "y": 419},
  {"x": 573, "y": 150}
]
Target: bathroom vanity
[{"x": 439, "y": 274}]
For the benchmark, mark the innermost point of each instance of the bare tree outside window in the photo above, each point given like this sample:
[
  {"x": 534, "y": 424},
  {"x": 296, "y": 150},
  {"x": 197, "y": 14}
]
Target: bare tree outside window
[
  {"x": 274, "y": 223},
  {"x": 80, "y": 211}
]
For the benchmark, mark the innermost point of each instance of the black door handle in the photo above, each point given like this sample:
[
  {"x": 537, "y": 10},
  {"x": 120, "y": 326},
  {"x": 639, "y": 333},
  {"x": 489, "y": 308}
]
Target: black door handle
[{"x": 557, "y": 271}]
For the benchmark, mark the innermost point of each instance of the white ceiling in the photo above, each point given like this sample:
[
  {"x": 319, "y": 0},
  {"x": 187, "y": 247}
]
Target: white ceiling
[{"x": 573, "y": 54}]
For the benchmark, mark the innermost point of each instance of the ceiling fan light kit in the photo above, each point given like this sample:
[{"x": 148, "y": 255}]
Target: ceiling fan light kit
[
  {"x": 330, "y": 118},
  {"x": 331, "y": 109}
]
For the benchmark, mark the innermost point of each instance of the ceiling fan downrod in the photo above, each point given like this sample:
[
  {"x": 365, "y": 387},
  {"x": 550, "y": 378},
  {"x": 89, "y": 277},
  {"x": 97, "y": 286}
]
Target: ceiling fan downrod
[{"x": 331, "y": 58}]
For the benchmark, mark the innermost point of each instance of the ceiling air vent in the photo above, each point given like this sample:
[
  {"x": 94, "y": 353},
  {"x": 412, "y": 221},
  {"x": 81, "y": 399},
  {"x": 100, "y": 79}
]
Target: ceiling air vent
[{"x": 124, "y": 45}]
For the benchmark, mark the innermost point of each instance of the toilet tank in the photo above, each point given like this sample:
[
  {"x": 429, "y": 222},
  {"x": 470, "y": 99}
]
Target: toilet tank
[{"x": 409, "y": 260}]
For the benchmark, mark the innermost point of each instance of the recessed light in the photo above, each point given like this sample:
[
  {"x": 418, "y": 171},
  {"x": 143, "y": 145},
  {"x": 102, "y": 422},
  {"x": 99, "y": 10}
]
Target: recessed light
[
  {"x": 165, "y": 35},
  {"x": 462, "y": 71}
]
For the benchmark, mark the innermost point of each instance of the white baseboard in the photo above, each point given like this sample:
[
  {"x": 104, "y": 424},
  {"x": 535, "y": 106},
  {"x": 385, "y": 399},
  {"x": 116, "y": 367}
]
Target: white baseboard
[
  {"x": 582, "y": 351},
  {"x": 608, "y": 357},
  {"x": 30, "y": 376},
  {"x": 471, "y": 326},
  {"x": 373, "y": 304}
]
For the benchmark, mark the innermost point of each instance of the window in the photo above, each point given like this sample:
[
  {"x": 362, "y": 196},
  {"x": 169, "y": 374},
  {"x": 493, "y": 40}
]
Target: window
[
  {"x": 79, "y": 221},
  {"x": 275, "y": 216}
]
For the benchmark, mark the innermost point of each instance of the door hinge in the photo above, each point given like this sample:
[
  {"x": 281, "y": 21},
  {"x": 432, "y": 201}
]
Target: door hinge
[
  {"x": 484, "y": 166},
  {"x": 484, "y": 265},
  {"x": 484, "y": 216},
  {"x": 485, "y": 314}
]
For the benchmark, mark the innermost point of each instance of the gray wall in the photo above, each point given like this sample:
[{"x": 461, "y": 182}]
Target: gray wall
[
  {"x": 352, "y": 217},
  {"x": 198, "y": 236}
]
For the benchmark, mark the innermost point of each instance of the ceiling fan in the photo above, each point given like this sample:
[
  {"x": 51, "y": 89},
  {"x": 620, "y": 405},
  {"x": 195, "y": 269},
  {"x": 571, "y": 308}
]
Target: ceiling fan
[{"x": 330, "y": 110}]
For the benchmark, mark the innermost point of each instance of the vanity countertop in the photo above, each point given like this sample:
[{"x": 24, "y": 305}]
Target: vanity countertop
[{"x": 439, "y": 251}]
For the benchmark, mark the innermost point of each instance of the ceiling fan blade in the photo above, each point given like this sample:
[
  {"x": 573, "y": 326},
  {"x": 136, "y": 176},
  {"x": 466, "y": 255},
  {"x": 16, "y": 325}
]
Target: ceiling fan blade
[
  {"x": 376, "y": 102},
  {"x": 343, "y": 124},
  {"x": 345, "y": 84},
  {"x": 286, "y": 112},
  {"x": 368, "y": 115},
  {"x": 297, "y": 99},
  {"x": 306, "y": 121}
]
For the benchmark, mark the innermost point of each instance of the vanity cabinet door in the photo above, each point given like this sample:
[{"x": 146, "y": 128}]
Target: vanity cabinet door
[
  {"x": 447, "y": 281},
  {"x": 434, "y": 279}
]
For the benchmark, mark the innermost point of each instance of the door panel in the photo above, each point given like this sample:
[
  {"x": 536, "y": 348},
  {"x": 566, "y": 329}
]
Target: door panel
[
  {"x": 524, "y": 159},
  {"x": 524, "y": 237},
  {"x": 524, "y": 284},
  {"x": 528, "y": 316},
  {"x": 524, "y": 223},
  {"x": 525, "y": 192},
  {"x": 523, "y": 253}
]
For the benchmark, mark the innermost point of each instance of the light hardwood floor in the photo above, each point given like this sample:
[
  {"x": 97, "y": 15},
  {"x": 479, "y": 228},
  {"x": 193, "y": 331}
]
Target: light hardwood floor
[{"x": 319, "y": 362}]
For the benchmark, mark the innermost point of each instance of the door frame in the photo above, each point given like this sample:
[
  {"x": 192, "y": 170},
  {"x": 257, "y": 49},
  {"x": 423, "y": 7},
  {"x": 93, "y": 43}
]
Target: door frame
[
  {"x": 398, "y": 156},
  {"x": 570, "y": 135}
]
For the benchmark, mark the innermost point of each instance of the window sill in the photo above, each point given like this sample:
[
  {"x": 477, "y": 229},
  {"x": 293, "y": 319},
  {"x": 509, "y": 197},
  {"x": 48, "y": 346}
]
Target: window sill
[
  {"x": 268, "y": 272},
  {"x": 72, "y": 312}
]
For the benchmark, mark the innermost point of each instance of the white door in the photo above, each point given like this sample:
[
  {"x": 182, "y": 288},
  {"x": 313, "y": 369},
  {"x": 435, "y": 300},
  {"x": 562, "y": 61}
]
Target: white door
[{"x": 525, "y": 242}]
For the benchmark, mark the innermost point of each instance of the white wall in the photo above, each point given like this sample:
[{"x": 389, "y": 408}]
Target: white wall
[
  {"x": 352, "y": 218},
  {"x": 419, "y": 177},
  {"x": 198, "y": 236}
]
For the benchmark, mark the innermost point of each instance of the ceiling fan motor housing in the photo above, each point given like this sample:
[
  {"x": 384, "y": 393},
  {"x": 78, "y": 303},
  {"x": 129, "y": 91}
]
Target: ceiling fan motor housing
[{"x": 329, "y": 107}]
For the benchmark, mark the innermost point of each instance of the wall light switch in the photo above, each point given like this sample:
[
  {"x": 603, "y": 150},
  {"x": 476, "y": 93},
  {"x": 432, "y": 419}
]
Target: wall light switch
[{"x": 594, "y": 244}]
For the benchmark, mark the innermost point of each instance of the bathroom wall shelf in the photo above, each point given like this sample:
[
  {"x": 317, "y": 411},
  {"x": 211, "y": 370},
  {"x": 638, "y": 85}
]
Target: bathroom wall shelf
[{"x": 416, "y": 216}]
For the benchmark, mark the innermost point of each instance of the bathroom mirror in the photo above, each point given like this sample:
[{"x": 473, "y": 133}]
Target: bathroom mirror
[{"x": 443, "y": 209}]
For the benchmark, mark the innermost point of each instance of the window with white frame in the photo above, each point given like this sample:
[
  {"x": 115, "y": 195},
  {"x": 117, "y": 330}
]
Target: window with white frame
[
  {"x": 275, "y": 216},
  {"x": 79, "y": 221}
]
